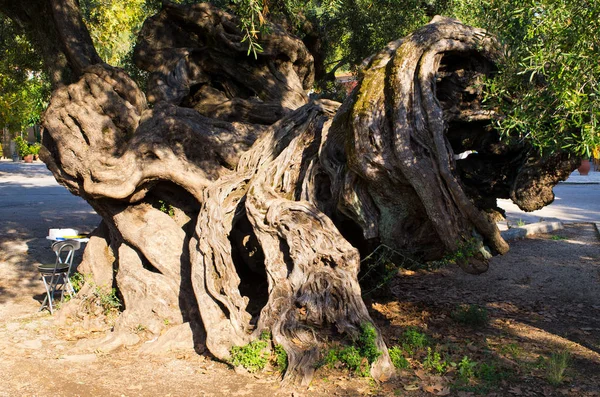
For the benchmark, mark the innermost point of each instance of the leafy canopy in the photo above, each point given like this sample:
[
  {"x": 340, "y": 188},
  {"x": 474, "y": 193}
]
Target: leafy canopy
[
  {"x": 547, "y": 86},
  {"x": 24, "y": 89}
]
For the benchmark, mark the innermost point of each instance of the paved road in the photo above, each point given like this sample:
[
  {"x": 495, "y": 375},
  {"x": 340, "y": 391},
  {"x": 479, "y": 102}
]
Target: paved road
[
  {"x": 573, "y": 203},
  {"x": 31, "y": 202}
]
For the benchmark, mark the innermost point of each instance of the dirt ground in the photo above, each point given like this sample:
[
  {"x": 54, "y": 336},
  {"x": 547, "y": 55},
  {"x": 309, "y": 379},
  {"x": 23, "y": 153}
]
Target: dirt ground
[{"x": 543, "y": 297}]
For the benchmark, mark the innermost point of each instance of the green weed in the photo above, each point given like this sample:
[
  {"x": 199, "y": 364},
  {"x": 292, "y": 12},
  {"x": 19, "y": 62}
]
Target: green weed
[
  {"x": 108, "y": 299},
  {"x": 167, "y": 208},
  {"x": 351, "y": 357},
  {"x": 556, "y": 366},
  {"x": 556, "y": 237},
  {"x": 330, "y": 359},
  {"x": 520, "y": 223},
  {"x": 433, "y": 362},
  {"x": 77, "y": 280},
  {"x": 367, "y": 342},
  {"x": 358, "y": 356},
  {"x": 464, "y": 251},
  {"x": 512, "y": 349},
  {"x": 398, "y": 359},
  {"x": 253, "y": 356},
  {"x": 412, "y": 340},
  {"x": 281, "y": 358},
  {"x": 472, "y": 315},
  {"x": 466, "y": 369}
]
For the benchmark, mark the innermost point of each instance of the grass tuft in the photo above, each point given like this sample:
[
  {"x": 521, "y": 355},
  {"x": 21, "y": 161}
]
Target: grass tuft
[
  {"x": 556, "y": 366},
  {"x": 472, "y": 315}
]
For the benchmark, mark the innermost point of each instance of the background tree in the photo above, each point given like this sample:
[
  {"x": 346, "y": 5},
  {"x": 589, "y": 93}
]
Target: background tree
[{"x": 24, "y": 90}]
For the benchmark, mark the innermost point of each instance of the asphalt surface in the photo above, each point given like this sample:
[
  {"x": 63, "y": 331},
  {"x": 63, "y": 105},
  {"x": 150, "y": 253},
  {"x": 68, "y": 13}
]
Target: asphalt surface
[
  {"x": 29, "y": 192},
  {"x": 31, "y": 202},
  {"x": 577, "y": 200}
]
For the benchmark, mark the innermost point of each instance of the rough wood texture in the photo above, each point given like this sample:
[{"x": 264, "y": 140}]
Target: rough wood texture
[
  {"x": 196, "y": 57},
  {"x": 209, "y": 215}
]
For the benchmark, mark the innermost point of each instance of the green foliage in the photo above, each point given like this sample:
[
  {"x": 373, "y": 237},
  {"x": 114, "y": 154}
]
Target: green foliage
[
  {"x": 24, "y": 89},
  {"x": 167, "y": 208},
  {"x": 466, "y": 369},
  {"x": 520, "y": 223},
  {"x": 26, "y": 149},
  {"x": 252, "y": 22},
  {"x": 114, "y": 24},
  {"x": 471, "y": 315},
  {"x": 434, "y": 362},
  {"x": 22, "y": 146},
  {"x": 547, "y": 87},
  {"x": 412, "y": 340},
  {"x": 253, "y": 356},
  {"x": 331, "y": 358},
  {"x": 77, "y": 280},
  {"x": 512, "y": 349},
  {"x": 488, "y": 372},
  {"x": 351, "y": 357},
  {"x": 281, "y": 358},
  {"x": 398, "y": 359},
  {"x": 357, "y": 356},
  {"x": 35, "y": 148},
  {"x": 108, "y": 299},
  {"x": 556, "y": 237},
  {"x": 367, "y": 342},
  {"x": 556, "y": 366}
]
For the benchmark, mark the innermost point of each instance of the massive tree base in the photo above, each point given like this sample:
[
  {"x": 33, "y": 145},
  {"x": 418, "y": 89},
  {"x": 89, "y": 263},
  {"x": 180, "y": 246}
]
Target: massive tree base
[{"x": 236, "y": 204}]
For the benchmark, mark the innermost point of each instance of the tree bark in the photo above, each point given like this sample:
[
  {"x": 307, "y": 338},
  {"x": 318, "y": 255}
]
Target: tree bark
[{"x": 233, "y": 199}]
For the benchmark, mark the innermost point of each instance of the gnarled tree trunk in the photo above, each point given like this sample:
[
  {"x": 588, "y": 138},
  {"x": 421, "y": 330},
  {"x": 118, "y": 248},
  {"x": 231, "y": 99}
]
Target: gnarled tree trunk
[{"x": 231, "y": 202}]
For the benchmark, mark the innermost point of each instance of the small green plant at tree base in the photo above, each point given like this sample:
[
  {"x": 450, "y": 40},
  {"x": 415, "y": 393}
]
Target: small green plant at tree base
[
  {"x": 434, "y": 362},
  {"x": 520, "y": 223},
  {"x": 351, "y": 357},
  {"x": 108, "y": 299},
  {"x": 358, "y": 356},
  {"x": 281, "y": 358},
  {"x": 367, "y": 342},
  {"x": 472, "y": 315},
  {"x": 77, "y": 280},
  {"x": 398, "y": 359},
  {"x": 253, "y": 356},
  {"x": 330, "y": 358},
  {"x": 556, "y": 366}
]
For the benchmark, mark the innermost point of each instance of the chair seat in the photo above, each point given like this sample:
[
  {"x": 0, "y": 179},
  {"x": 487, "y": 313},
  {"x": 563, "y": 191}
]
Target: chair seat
[{"x": 50, "y": 268}]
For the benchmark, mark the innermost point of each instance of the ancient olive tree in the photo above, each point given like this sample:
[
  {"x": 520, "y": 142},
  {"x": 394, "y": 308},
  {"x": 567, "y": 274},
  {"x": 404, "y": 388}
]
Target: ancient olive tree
[{"x": 233, "y": 202}]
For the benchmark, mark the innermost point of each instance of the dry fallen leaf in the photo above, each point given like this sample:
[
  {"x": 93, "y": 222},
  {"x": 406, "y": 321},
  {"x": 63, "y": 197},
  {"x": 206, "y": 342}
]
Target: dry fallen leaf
[
  {"x": 411, "y": 387},
  {"x": 421, "y": 374}
]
